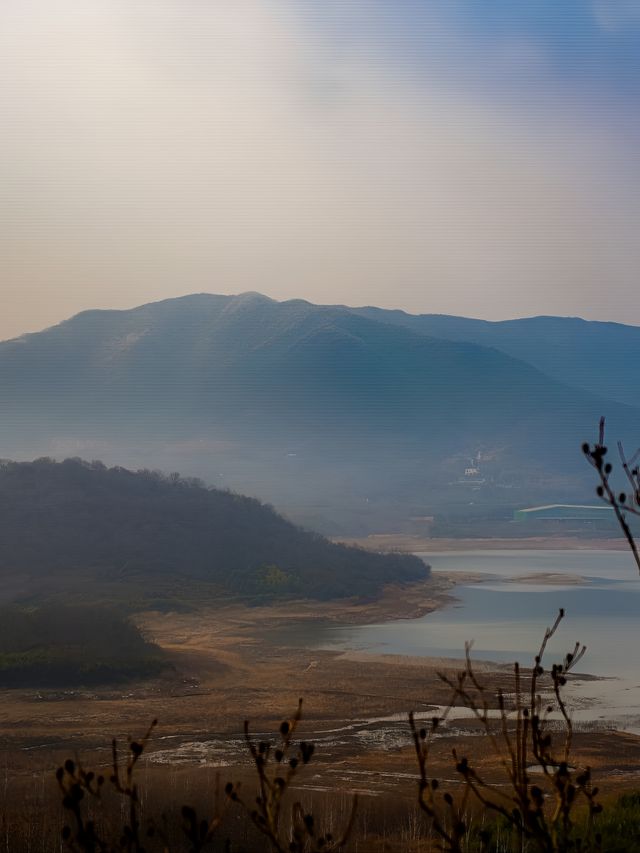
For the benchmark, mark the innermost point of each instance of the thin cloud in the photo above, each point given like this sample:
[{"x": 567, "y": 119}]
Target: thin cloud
[{"x": 154, "y": 150}]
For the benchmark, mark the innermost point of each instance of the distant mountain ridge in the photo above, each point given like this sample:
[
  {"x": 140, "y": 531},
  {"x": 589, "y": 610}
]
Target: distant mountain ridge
[
  {"x": 601, "y": 357},
  {"x": 301, "y": 404}
]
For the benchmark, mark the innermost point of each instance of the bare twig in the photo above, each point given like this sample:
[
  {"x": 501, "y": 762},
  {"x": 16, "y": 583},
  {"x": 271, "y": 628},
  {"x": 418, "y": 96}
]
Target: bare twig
[
  {"x": 541, "y": 816},
  {"x": 623, "y": 502}
]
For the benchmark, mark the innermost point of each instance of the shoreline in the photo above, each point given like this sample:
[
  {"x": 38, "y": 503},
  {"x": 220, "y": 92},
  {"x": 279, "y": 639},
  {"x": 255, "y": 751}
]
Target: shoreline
[
  {"x": 407, "y": 543},
  {"x": 230, "y": 663},
  {"x": 396, "y": 601}
]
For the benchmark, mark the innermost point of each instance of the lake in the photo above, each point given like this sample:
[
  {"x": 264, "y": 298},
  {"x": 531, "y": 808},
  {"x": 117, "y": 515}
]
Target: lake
[{"x": 506, "y": 613}]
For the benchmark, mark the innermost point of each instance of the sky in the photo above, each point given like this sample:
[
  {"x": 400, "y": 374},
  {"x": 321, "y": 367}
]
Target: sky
[{"x": 473, "y": 157}]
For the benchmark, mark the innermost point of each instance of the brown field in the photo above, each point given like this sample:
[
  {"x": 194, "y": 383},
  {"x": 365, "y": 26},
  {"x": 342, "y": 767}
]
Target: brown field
[{"x": 229, "y": 665}]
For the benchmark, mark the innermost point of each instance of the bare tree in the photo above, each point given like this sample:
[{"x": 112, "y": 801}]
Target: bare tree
[{"x": 625, "y": 502}]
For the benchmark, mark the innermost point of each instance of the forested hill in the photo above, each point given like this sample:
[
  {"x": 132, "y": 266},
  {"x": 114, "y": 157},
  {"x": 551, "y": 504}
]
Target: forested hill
[{"x": 84, "y": 519}]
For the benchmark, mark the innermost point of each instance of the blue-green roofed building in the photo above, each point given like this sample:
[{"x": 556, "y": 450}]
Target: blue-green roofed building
[{"x": 566, "y": 512}]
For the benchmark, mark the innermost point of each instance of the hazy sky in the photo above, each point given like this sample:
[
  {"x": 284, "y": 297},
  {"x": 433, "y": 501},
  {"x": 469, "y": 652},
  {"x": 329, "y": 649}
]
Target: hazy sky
[{"x": 476, "y": 157}]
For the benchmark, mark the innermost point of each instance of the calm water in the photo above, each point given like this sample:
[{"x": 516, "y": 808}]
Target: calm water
[{"x": 506, "y": 620}]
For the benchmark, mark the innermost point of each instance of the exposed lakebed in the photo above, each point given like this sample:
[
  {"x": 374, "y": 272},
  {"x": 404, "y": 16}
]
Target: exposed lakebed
[{"x": 503, "y": 603}]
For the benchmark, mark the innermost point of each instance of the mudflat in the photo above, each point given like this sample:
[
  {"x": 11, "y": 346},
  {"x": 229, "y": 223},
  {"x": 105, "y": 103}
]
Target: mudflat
[
  {"x": 408, "y": 543},
  {"x": 227, "y": 665}
]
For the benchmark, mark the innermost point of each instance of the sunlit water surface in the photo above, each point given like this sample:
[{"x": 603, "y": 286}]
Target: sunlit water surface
[{"x": 506, "y": 618}]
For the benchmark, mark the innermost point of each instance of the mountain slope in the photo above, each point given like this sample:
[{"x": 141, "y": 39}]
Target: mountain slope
[
  {"x": 217, "y": 357},
  {"x": 603, "y": 358}
]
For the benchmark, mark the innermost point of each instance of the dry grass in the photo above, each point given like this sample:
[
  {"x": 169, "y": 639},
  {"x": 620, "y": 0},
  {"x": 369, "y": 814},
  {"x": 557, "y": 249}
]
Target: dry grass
[{"x": 228, "y": 667}]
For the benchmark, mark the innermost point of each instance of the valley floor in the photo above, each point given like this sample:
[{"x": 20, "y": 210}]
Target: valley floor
[{"x": 228, "y": 666}]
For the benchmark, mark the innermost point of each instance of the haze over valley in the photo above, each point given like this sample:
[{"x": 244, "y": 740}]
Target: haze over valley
[{"x": 351, "y": 421}]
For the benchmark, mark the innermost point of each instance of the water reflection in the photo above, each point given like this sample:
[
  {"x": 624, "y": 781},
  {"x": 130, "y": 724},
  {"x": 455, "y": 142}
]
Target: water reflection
[{"x": 506, "y": 620}]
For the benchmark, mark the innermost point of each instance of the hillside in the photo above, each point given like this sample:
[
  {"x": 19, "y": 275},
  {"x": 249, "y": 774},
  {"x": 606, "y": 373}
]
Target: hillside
[
  {"x": 342, "y": 420},
  {"x": 603, "y": 358},
  {"x": 84, "y": 527},
  {"x": 60, "y": 645}
]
